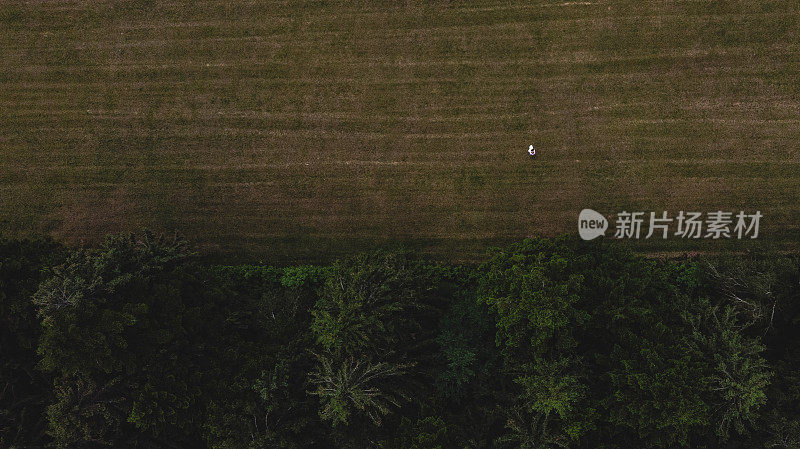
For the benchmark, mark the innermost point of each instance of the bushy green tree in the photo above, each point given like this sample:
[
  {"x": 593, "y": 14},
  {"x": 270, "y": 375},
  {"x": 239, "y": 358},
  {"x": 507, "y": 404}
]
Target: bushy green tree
[
  {"x": 552, "y": 343},
  {"x": 538, "y": 294},
  {"x": 355, "y": 386},
  {"x": 119, "y": 325},
  {"x": 471, "y": 388},
  {"x": 737, "y": 374},
  {"x": 258, "y": 389},
  {"x": 24, "y": 390},
  {"x": 606, "y": 348},
  {"x": 373, "y": 322},
  {"x": 755, "y": 298},
  {"x": 655, "y": 391}
]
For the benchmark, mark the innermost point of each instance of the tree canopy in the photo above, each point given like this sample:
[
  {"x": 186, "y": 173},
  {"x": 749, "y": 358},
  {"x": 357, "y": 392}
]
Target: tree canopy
[{"x": 550, "y": 343}]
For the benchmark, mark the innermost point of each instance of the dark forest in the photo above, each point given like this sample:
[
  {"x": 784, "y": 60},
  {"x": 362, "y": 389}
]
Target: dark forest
[{"x": 549, "y": 343}]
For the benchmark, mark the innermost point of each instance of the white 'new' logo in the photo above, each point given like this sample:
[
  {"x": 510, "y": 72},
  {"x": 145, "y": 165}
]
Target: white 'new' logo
[{"x": 591, "y": 224}]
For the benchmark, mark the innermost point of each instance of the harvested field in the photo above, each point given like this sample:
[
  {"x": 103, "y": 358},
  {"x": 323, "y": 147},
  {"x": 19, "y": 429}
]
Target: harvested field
[{"x": 297, "y": 131}]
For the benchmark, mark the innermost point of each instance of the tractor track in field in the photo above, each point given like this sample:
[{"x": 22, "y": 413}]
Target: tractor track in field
[{"x": 277, "y": 129}]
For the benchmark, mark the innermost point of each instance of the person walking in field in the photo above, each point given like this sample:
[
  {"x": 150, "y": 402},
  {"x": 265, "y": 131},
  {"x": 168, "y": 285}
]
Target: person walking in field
[{"x": 531, "y": 151}]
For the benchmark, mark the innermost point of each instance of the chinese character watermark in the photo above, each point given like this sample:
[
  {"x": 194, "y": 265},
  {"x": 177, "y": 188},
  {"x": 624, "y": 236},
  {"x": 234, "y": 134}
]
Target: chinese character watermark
[{"x": 688, "y": 225}]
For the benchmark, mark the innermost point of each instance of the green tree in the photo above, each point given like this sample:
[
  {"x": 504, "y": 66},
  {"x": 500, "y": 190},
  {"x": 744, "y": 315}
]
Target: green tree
[
  {"x": 355, "y": 386},
  {"x": 257, "y": 387},
  {"x": 537, "y": 291},
  {"x": 753, "y": 320},
  {"x": 24, "y": 390},
  {"x": 373, "y": 323},
  {"x": 603, "y": 349},
  {"x": 118, "y": 333}
]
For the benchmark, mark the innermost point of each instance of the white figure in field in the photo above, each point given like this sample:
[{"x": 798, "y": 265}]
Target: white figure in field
[{"x": 531, "y": 151}]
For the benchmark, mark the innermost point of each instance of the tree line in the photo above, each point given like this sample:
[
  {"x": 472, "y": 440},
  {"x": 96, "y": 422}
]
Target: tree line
[{"x": 550, "y": 343}]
